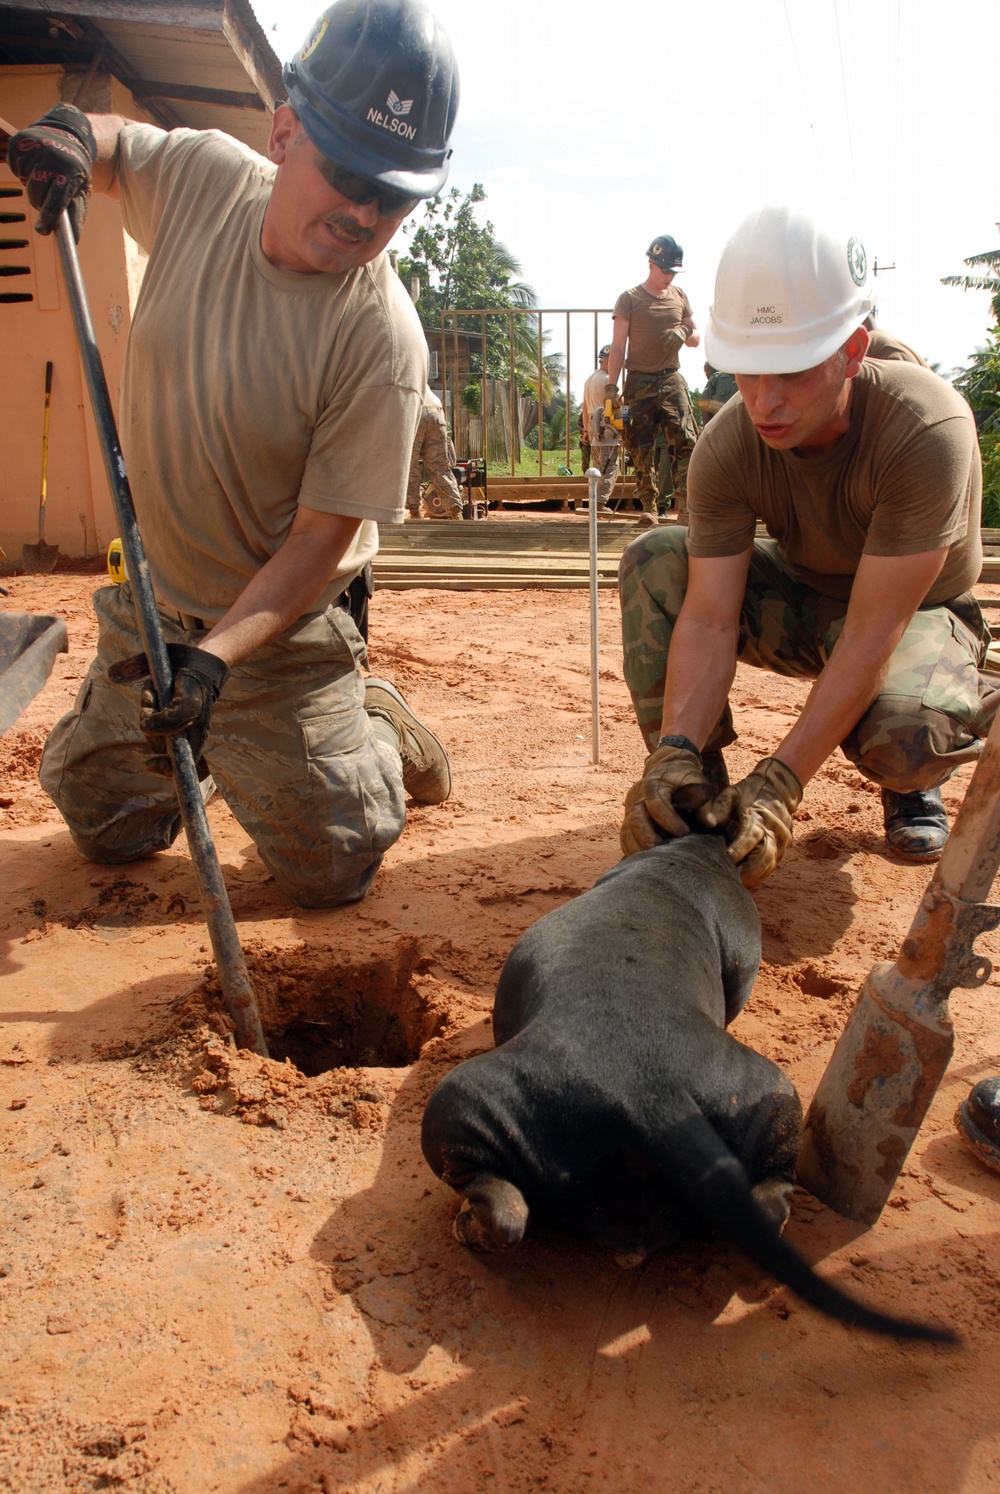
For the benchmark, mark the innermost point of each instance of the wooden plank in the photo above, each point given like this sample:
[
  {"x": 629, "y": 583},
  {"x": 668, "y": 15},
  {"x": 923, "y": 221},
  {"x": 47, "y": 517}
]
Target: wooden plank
[
  {"x": 531, "y": 553},
  {"x": 185, "y": 92},
  {"x": 487, "y": 583}
]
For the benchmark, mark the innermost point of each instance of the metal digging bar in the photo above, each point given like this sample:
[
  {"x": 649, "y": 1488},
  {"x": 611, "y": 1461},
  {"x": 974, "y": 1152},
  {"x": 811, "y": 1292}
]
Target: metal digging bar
[
  {"x": 593, "y": 478},
  {"x": 894, "y": 1051},
  {"x": 238, "y": 993}
]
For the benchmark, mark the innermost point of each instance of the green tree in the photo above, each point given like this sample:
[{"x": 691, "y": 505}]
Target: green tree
[
  {"x": 461, "y": 263},
  {"x": 988, "y": 282},
  {"x": 980, "y": 382}
]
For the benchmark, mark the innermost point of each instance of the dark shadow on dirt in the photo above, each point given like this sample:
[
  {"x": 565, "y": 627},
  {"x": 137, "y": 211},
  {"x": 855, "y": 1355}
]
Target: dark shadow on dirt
[{"x": 503, "y": 1353}]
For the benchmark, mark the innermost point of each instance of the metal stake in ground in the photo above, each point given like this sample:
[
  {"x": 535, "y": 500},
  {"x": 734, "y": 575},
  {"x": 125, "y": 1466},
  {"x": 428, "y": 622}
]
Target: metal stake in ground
[
  {"x": 234, "y": 978},
  {"x": 593, "y": 477},
  {"x": 898, "y": 1041}
]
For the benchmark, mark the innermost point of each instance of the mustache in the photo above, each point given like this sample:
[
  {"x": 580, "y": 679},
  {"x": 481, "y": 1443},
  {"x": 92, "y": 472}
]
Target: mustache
[{"x": 350, "y": 229}]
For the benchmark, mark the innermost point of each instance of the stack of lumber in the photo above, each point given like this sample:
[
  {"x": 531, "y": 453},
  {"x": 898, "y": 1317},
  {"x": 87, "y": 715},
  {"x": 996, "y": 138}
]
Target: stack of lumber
[{"x": 488, "y": 554}]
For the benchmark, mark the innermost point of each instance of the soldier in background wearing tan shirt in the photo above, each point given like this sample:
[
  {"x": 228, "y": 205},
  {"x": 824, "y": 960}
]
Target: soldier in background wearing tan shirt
[{"x": 866, "y": 476}]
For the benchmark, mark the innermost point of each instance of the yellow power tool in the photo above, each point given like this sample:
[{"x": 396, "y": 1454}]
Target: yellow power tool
[
  {"x": 618, "y": 418},
  {"x": 117, "y": 569}
]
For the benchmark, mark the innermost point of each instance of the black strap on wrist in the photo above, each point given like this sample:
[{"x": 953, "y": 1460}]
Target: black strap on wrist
[{"x": 685, "y": 743}]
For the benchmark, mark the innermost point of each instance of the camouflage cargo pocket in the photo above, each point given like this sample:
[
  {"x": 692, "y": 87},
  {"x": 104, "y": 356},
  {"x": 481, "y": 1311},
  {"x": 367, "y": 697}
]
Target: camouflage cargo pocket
[{"x": 953, "y": 688}]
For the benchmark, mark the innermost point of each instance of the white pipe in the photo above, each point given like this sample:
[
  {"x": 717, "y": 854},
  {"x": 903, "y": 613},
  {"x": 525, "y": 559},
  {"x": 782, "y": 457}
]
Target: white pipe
[{"x": 593, "y": 477}]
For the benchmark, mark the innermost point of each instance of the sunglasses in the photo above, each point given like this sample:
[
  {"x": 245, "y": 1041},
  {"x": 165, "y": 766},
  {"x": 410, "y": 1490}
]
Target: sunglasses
[{"x": 357, "y": 189}]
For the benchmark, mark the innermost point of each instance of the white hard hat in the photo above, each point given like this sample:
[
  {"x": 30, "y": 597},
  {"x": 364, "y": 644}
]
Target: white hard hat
[{"x": 787, "y": 295}]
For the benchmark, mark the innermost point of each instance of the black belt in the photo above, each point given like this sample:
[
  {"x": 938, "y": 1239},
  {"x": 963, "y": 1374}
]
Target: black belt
[{"x": 190, "y": 623}]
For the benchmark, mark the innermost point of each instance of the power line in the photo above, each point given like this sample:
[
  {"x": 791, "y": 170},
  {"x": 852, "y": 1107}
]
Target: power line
[
  {"x": 843, "y": 84},
  {"x": 798, "y": 69}
]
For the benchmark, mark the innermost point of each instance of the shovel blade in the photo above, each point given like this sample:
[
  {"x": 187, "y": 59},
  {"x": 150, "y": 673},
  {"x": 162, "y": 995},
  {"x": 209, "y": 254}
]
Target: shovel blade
[
  {"x": 876, "y": 1091},
  {"x": 40, "y": 559}
]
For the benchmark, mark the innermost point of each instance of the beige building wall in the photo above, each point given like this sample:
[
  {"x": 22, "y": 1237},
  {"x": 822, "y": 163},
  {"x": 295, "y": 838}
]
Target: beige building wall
[{"x": 79, "y": 516}]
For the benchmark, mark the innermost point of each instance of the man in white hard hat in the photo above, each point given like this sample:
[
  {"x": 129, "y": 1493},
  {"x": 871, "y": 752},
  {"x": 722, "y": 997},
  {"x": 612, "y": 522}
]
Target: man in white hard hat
[{"x": 867, "y": 478}]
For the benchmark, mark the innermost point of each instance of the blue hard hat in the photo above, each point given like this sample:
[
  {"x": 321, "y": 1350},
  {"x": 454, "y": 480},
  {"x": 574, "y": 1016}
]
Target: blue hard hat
[{"x": 375, "y": 86}]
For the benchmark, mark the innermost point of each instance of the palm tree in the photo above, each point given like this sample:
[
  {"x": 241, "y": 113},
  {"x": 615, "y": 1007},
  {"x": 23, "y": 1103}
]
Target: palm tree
[
  {"x": 463, "y": 266},
  {"x": 980, "y": 382},
  {"x": 988, "y": 282}
]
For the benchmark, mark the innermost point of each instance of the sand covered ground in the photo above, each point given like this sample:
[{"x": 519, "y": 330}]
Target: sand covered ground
[{"x": 224, "y": 1273}]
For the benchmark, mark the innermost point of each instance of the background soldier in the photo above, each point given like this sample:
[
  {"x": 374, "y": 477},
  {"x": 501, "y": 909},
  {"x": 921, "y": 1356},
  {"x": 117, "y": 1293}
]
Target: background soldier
[
  {"x": 434, "y": 447},
  {"x": 603, "y": 437},
  {"x": 653, "y": 321},
  {"x": 720, "y": 388}
]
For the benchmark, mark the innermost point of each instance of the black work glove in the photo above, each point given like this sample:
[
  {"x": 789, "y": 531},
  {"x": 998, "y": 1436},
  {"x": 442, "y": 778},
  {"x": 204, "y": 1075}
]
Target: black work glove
[
  {"x": 198, "y": 680},
  {"x": 53, "y": 158}
]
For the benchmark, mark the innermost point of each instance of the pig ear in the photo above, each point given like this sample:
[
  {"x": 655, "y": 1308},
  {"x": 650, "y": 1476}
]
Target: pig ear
[{"x": 722, "y": 813}]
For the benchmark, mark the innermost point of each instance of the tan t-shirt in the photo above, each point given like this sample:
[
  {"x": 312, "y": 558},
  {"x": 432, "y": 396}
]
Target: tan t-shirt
[
  {"x": 887, "y": 348},
  {"x": 649, "y": 318},
  {"x": 247, "y": 390},
  {"x": 593, "y": 402},
  {"x": 905, "y": 478}
]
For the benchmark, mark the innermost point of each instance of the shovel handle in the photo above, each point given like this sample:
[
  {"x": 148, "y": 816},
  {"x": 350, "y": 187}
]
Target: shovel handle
[{"x": 234, "y": 978}]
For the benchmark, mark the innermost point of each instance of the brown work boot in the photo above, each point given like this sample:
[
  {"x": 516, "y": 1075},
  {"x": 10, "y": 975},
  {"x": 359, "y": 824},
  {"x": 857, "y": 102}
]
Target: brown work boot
[{"x": 426, "y": 769}]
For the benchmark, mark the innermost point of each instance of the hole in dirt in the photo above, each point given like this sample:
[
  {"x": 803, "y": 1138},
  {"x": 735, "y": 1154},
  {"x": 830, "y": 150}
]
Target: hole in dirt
[
  {"x": 814, "y": 982},
  {"x": 322, "y": 1013}
]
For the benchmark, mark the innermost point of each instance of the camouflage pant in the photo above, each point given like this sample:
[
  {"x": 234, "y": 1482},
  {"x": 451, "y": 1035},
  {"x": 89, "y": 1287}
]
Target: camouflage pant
[
  {"x": 930, "y": 715},
  {"x": 659, "y": 405},
  {"x": 433, "y": 446},
  {"x": 312, "y": 780},
  {"x": 604, "y": 456}
]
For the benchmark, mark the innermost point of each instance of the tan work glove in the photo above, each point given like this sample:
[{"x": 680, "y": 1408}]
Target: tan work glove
[
  {"x": 679, "y": 336},
  {"x": 763, "y": 805},
  {"x": 672, "y": 780}
]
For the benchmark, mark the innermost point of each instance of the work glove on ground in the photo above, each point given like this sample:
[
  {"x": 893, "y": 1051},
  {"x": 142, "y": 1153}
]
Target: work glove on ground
[
  {"x": 762, "y": 805},
  {"x": 198, "y": 680},
  {"x": 672, "y": 782},
  {"x": 53, "y": 158}
]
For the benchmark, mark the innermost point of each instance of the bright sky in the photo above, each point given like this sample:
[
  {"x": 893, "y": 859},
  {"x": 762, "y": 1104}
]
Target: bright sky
[{"x": 595, "y": 126}]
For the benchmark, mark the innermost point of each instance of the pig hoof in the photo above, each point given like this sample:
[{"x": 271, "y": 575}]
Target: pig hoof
[
  {"x": 774, "y": 1196},
  {"x": 496, "y": 1221}
]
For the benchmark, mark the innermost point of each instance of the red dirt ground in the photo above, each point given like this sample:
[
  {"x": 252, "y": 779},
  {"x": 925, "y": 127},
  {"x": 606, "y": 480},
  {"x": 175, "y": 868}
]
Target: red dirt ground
[{"x": 217, "y": 1273}]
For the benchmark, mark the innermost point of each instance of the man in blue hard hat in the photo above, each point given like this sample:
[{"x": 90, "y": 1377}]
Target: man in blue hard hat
[{"x": 272, "y": 387}]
